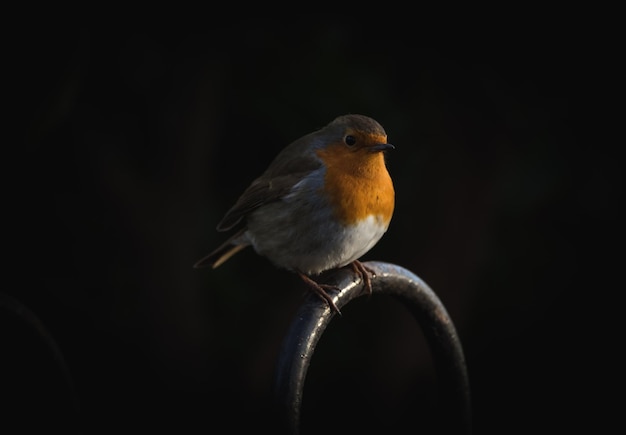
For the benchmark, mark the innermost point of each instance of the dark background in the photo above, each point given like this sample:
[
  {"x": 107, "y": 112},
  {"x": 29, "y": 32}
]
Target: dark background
[{"x": 132, "y": 139}]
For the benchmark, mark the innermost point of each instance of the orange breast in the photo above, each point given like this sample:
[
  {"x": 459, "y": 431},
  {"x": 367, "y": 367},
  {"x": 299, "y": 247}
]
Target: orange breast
[{"x": 357, "y": 183}]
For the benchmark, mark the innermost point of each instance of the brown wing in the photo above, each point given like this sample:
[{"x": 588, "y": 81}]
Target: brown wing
[
  {"x": 260, "y": 192},
  {"x": 292, "y": 164}
]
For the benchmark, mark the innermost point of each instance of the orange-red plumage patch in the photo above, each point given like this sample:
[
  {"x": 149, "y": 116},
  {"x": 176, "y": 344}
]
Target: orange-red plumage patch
[{"x": 357, "y": 183}]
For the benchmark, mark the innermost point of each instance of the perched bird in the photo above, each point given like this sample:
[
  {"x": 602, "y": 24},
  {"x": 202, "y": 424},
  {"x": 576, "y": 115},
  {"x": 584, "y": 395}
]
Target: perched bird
[{"x": 323, "y": 202}]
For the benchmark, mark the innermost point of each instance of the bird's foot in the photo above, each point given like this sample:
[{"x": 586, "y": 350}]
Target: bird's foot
[
  {"x": 365, "y": 273},
  {"x": 320, "y": 290}
]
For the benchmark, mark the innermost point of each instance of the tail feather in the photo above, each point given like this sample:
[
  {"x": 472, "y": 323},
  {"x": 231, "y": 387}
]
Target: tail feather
[{"x": 223, "y": 252}]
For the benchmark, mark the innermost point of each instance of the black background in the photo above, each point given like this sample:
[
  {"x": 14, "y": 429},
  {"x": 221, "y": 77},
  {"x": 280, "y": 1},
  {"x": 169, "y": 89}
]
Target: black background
[{"x": 128, "y": 140}]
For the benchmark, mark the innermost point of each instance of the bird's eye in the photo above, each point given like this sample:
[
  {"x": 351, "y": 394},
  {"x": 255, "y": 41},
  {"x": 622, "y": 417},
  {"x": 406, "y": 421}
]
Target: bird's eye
[{"x": 350, "y": 140}]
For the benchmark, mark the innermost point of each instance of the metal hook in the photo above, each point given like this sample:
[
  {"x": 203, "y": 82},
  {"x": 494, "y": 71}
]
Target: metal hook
[{"x": 315, "y": 315}]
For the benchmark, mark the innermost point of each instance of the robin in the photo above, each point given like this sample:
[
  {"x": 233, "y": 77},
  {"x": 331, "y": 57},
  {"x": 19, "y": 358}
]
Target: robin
[{"x": 323, "y": 202}]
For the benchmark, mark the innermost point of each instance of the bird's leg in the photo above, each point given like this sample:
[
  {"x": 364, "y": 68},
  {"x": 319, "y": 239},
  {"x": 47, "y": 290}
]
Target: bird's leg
[
  {"x": 320, "y": 290},
  {"x": 364, "y": 272}
]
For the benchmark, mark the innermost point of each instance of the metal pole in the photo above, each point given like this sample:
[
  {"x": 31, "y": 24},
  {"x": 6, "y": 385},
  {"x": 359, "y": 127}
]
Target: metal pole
[{"x": 315, "y": 315}]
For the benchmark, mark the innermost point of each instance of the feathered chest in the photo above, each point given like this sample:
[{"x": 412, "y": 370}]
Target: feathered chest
[{"x": 358, "y": 188}]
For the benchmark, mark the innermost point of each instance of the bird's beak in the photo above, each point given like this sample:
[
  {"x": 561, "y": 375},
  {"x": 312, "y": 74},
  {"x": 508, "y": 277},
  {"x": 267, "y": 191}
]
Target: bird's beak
[{"x": 382, "y": 147}]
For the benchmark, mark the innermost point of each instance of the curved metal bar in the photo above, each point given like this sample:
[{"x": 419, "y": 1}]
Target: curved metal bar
[
  {"x": 19, "y": 314},
  {"x": 315, "y": 315}
]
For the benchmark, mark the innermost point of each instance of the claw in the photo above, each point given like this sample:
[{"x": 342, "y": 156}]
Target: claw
[
  {"x": 320, "y": 290},
  {"x": 364, "y": 272}
]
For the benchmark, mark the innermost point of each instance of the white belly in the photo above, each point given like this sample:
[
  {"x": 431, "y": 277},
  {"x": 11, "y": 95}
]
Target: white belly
[{"x": 311, "y": 247}]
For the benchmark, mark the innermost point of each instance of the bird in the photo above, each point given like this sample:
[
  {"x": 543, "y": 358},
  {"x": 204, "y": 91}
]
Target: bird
[{"x": 324, "y": 201}]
